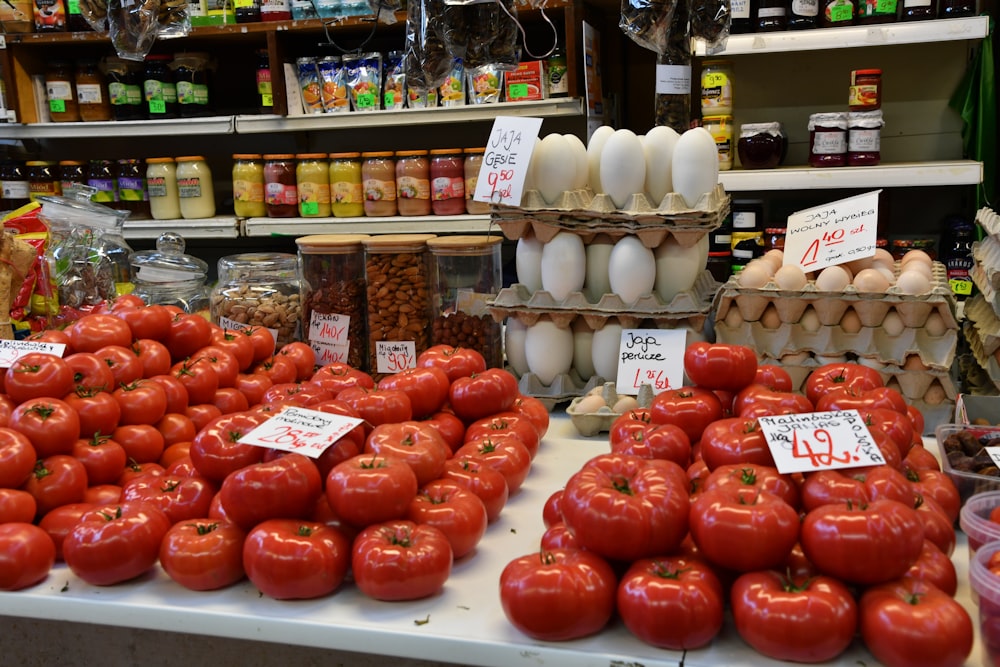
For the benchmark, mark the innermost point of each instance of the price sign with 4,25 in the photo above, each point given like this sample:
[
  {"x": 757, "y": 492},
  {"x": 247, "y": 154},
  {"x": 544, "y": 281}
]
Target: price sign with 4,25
[{"x": 820, "y": 441}]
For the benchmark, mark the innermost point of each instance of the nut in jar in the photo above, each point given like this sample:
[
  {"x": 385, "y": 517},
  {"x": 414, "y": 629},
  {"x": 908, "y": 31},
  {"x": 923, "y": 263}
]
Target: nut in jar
[{"x": 260, "y": 289}]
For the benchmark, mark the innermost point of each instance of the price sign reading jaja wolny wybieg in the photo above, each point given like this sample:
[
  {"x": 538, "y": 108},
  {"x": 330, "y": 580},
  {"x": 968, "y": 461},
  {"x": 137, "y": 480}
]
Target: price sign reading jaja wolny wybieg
[
  {"x": 328, "y": 337},
  {"x": 650, "y": 356},
  {"x": 505, "y": 162},
  {"x": 308, "y": 432},
  {"x": 820, "y": 441},
  {"x": 12, "y": 350},
  {"x": 834, "y": 233},
  {"x": 392, "y": 356}
]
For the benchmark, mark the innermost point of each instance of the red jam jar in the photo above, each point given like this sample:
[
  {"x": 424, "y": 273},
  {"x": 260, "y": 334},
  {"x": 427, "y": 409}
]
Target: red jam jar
[
  {"x": 866, "y": 90},
  {"x": 864, "y": 138},
  {"x": 828, "y": 139},
  {"x": 761, "y": 145},
  {"x": 448, "y": 181}
]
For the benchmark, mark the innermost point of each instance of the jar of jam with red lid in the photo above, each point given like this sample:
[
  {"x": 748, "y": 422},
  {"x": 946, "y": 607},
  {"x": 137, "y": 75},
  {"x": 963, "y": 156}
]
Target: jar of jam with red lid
[
  {"x": 866, "y": 90},
  {"x": 448, "y": 181},
  {"x": 864, "y": 138},
  {"x": 281, "y": 196},
  {"x": 761, "y": 145},
  {"x": 828, "y": 139}
]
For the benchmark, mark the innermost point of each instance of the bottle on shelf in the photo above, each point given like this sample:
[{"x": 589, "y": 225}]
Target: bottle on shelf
[
  {"x": 14, "y": 190},
  {"x": 159, "y": 88},
  {"x": 742, "y": 16},
  {"x": 60, "y": 92},
  {"x": 836, "y": 13},
  {"x": 918, "y": 10},
  {"x": 91, "y": 92},
  {"x": 956, "y": 8},
  {"x": 802, "y": 14},
  {"x": 957, "y": 255},
  {"x": 264, "y": 90},
  {"x": 772, "y": 16}
]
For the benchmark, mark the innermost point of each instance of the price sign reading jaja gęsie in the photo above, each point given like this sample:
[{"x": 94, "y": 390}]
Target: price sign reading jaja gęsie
[
  {"x": 308, "y": 432},
  {"x": 834, "y": 233},
  {"x": 505, "y": 162},
  {"x": 820, "y": 441}
]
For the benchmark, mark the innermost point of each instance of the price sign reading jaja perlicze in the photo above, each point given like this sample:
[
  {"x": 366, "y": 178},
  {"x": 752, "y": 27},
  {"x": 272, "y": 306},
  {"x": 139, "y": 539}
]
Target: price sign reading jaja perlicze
[
  {"x": 650, "y": 356},
  {"x": 820, "y": 441},
  {"x": 835, "y": 233},
  {"x": 505, "y": 162}
]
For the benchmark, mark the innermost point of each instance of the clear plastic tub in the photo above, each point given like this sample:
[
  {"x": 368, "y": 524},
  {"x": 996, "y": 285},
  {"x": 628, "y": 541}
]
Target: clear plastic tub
[
  {"x": 974, "y": 519},
  {"x": 968, "y": 483},
  {"x": 985, "y": 592}
]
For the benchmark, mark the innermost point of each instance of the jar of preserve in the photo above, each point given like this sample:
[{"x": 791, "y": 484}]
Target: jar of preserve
[
  {"x": 169, "y": 277},
  {"x": 397, "y": 280},
  {"x": 161, "y": 186},
  {"x": 761, "y": 145},
  {"x": 312, "y": 179},
  {"x": 194, "y": 188},
  {"x": 748, "y": 215},
  {"x": 102, "y": 175},
  {"x": 866, "y": 90},
  {"x": 448, "y": 181},
  {"x": 720, "y": 264},
  {"x": 335, "y": 316},
  {"x": 191, "y": 74},
  {"x": 413, "y": 183},
  {"x": 717, "y": 88},
  {"x": 260, "y": 289},
  {"x": 281, "y": 197},
  {"x": 91, "y": 92},
  {"x": 900, "y": 247},
  {"x": 473, "y": 165},
  {"x": 836, "y": 13},
  {"x": 721, "y": 129},
  {"x": 14, "y": 189},
  {"x": 248, "y": 185},
  {"x": 876, "y": 11},
  {"x": 347, "y": 198},
  {"x": 124, "y": 89},
  {"x": 60, "y": 92},
  {"x": 132, "y": 195},
  {"x": 465, "y": 277},
  {"x": 378, "y": 176},
  {"x": 828, "y": 139},
  {"x": 72, "y": 174},
  {"x": 864, "y": 138},
  {"x": 43, "y": 179},
  {"x": 159, "y": 88}
]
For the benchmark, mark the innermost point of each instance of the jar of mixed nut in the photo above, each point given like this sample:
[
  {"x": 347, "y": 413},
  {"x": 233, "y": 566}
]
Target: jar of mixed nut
[
  {"x": 336, "y": 320},
  {"x": 398, "y": 294},
  {"x": 465, "y": 275},
  {"x": 260, "y": 289}
]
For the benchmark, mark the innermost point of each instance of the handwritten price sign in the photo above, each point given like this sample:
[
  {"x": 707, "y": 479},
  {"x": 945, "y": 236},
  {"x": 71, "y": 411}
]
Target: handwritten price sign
[
  {"x": 820, "y": 441},
  {"x": 307, "y": 432},
  {"x": 505, "y": 162},
  {"x": 650, "y": 356},
  {"x": 832, "y": 234},
  {"x": 328, "y": 337},
  {"x": 394, "y": 356},
  {"x": 12, "y": 350}
]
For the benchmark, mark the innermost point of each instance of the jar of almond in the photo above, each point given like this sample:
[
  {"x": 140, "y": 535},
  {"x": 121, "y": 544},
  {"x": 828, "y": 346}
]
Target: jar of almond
[{"x": 262, "y": 289}]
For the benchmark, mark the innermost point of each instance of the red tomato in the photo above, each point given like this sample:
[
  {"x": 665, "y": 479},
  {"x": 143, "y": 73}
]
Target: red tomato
[
  {"x": 56, "y": 480},
  {"x": 222, "y": 361},
  {"x": 605, "y": 500},
  {"x": 58, "y": 522},
  {"x": 735, "y": 440},
  {"x": 427, "y": 388},
  {"x": 378, "y": 406},
  {"x": 558, "y": 536},
  {"x": 216, "y": 450},
  {"x": 504, "y": 423},
  {"x": 262, "y": 340},
  {"x": 115, "y": 543},
  {"x": 17, "y": 458},
  {"x": 288, "y": 559},
  {"x": 368, "y": 489},
  {"x": 279, "y": 369},
  {"x": 90, "y": 371},
  {"x": 667, "y": 442},
  {"x": 26, "y": 555},
  {"x": 198, "y": 377},
  {"x": 94, "y": 331},
  {"x": 203, "y": 414},
  {"x": 50, "y": 424},
  {"x": 757, "y": 400},
  {"x": 37, "y": 374},
  {"x": 552, "y": 508},
  {"x": 6, "y": 408},
  {"x": 456, "y": 362},
  {"x": 938, "y": 528},
  {"x": 916, "y": 418},
  {"x": 302, "y": 356},
  {"x": 296, "y": 393},
  {"x": 451, "y": 428},
  {"x": 54, "y": 336},
  {"x": 124, "y": 363},
  {"x": 558, "y": 595},
  {"x": 336, "y": 407},
  {"x": 455, "y": 510},
  {"x": 17, "y": 506},
  {"x": 150, "y": 321},
  {"x": 142, "y": 442},
  {"x": 896, "y": 425},
  {"x": 103, "y": 494},
  {"x": 857, "y": 485},
  {"x": 935, "y": 566},
  {"x": 153, "y": 355},
  {"x": 937, "y": 486},
  {"x": 203, "y": 554},
  {"x": 720, "y": 365},
  {"x": 230, "y": 400},
  {"x": 419, "y": 445},
  {"x": 487, "y": 483},
  {"x": 186, "y": 334},
  {"x": 509, "y": 457},
  {"x": 919, "y": 458},
  {"x": 282, "y": 488},
  {"x": 141, "y": 402},
  {"x": 400, "y": 560},
  {"x": 102, "y": 457},
  {"x": 176, "y": 428},
  {"x": 671, "y": 602},
  {"x": 177, "y": 394},
  {"x": 691, "y": 408},
  {"x": 808, "y": 619},
  {"x": 773, "y": 377},
  {"x": 535, "y": 410},
  {"x": 830, "y": 377},
  {"x": 763, "y": 478},
  {"x": 238, "y": 344},
  {"x": 338, "y": 376},
  {"x": 133, "y": 470},
  {"x": 254, "y": 386},
  {"x": 483, "y": 394},
  {"x": 97, "y": 410},
  {"x": 862, "y": 400},
  {"x": 910, "y": 622},
  {"x": 180, "y": 498}
]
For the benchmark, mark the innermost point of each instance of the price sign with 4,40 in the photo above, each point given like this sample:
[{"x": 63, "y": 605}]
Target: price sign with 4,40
[
  {"x": 834, "y": 233},
  {"x": 820, "y": 441},
  {"x": 308, "y": 432}
]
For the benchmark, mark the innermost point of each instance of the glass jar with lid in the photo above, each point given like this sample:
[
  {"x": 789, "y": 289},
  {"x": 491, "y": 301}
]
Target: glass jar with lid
[
  {"x": 281, "y": 197},
  {"x": 248, "y": 185},
  {"x": 465, "y": 276},
  {"x": 312, "y": 179},
  {"x": 260, "y": 289},
  {"x": 378, "y": 176},
  {"x": 14, "y": 189},
  {"x": 761, "y": 145},
  {"x": 43, "y": 179},
  {"x": 864, "y": 138},
  {"x": 192, "y": 71},
  {"x": 717, "y": 88},
  {"x": 132, "y": 194},
  {"x": 828, "y": 139},
  {"x": 161, "y": 187},
  {"x": 397, "y": 294},
  {"x": 333, "y": 266},
  {"x": 413, "y": 183},
  {"x": 124, "y": 88},
  {"x": 195, "y": 188},
  {"x": 167, "y": 276},
  {"x": 102, "y": 175},
  {"x": 159, "y": 87},
  {"x": 473, "y": 164},
  {"x": 447, "y": 181},
  {"x": 72, "y": 174},
  {"x": 60, "y": 92},
  {"x": 91, "y": 92},
  {"x": 346, "y": 193}
]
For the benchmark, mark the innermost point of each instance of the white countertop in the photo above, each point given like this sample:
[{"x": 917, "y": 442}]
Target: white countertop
[{"x": 465, "y": 622}]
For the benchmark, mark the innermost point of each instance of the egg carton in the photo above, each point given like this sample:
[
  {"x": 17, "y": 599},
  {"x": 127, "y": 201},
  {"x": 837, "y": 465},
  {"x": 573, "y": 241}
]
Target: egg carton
[
  {"x": 564, "y": 388},
  {"x": 980, "y": 314},
  {"x": 986, "y": 360},
  {"x": 988, "y": 220},
  {"x": 589, "y": 424},
  {"x": 936, "y": 352},
  {"x": 596, "y": 320}
]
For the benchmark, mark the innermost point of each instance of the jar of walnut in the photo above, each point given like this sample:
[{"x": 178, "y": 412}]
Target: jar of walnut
[
  {"x": 336, "y": 321},
  {"x": 465, "y": 277},
  {"x": 260, "y": 289},
  {"x": 397, "y": 292}
]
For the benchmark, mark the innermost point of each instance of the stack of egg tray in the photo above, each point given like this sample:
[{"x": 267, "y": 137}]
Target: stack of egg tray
[{"x": 982, "y": 325}]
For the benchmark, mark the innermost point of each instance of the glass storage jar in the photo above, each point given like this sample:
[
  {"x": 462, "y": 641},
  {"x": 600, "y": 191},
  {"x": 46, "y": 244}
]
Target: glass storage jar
[
  {"x": 248, "y": 185},
  {"x": 167, "y": 276},
  {"x": 761, "y": 145},
  {"x": 280, "y": 194},
  {"x": 397, "y": 294},
  {"x": 43, "y": 179},
  {"x": 132, "y": 196},
  {"x": 346, "y": 194},
  {"x": 91, "y": 92},
  {"x": 473, "y": 164},
  {"x": 447, "y": 181},
  {"x": 14, "y": 189},
  {"x": 124, "y": 88},
  {"x": 378, "y": 176},
  {"x": 865, "y": 93},
  {"x": 717, "y": 88},
  {"x": 828, "y": 139},
  {"x": 260, "y": 289},
  {"x": 72, "y": 174},
  {"x": 161, "y": 186},
  {"x": 60, "y": 92},
  {"x": 335, "y": 317},
  {"x": 159, "y": 88},
  {"x": 192, "y": 71},
  {"x": 312, "y": 180},
  {"x": 413, "y": 183},
  {"x": 194, "y": 187},
  {"x": 465, "y": 276}
]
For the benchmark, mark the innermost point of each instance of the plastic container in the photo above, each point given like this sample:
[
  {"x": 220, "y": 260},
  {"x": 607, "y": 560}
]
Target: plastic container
[
  {"x": 161, "y": 186},
  {"x": 194, "y": 187},
  {"x": 336, "y": 320},
  {"x": 985, "y": 592},
  {"x": 167, "y": 276},
  {"x": 968, "y": 483},
  {"x": 974, "y": 520},
  {"x": 260, "y": 289},
  {"x": 346, "y": 191}
]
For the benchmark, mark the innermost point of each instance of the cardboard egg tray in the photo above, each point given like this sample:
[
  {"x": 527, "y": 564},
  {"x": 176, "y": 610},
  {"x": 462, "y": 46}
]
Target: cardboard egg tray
[
  {"x": 988, "y": 220},
  {"x": 936, "y": 352},
  {"x": 984, "y": 320},
  {"x": 586, "y": 214},
  {"x": 591, "y": 423}
]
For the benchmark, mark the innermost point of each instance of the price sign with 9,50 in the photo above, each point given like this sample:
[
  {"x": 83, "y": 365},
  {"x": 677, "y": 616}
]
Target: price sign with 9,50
[
  {"x": 505, "y": 162},
  {"x": 834, "y": 233},
  {"x": 820, "y": 441}
]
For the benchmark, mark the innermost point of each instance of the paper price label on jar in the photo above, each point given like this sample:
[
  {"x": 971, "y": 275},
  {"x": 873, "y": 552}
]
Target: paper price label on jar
[
  {"x": 834, "y": 233},
  {"x": 392, "y": 356},
  {"x": 505, "y": 162},
  {"x": 820, "y": 441},
  {"x": 650, "y": 356},
  {"x": 308, "y": 432},
  {"x": 12, "y": 350}
]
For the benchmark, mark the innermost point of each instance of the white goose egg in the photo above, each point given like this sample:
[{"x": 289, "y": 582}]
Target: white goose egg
[
  {"x": 594, "y": 149},
  {"x": 623, "y": 167},
  {"x": 528, "y": 262},
  {"x": 677, "y": 267},
  {"x": 513, "y": 345},
  {"x": 564, "y": 265},
  {"x": 548, "y": 349},
  {"x": 604, "y": 350},
  {"x": 658, "y": 148},
  {"x": 631, "y": 269},
  {"x": 583, "y": 340},
  {"x": 555, "y": 169},
  {"x": 597, "y": 284},
  {"x": 695, "y": 168},
  {"x": 580, "y": 159}
]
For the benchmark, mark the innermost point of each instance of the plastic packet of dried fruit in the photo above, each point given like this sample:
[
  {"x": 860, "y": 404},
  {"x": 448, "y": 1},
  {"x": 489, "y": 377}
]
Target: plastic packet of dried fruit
[{"x": 364, "y": 80}]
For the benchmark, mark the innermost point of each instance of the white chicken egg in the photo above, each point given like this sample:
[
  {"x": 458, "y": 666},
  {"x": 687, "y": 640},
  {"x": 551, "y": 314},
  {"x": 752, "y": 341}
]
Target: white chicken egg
[
  {"x": 548, "y": 349},
  {"x": 892, "y": 323},
  {"x": 590, "y": 404},
  {"x": 677, "y": 267},
  {"x": 858, "y": 264},
  {"x": 935, "y": 325},
  {"x": 623, "y": 166},
  {"x": 753, "y": 276},
  {"x": 870, "y": 280},
  {"x": 594, "y": 149},
  {"x": 809, "y": 320},
  {"x": 658, "y": 149},
  {"x": 607, "y": 342},
  {"x": 884, "y": 256},
  {"x": 775, "y": 257},
  {"x": 528, "y": 262},
  {"x": 695, "y": 168},
  {"x": 580, "y": 158},
  {"x": 631, "y": 269},
  {"x": 850, "y": 321},
  {"x": 833, "y": 279},
  {"x": 935, "y": 394},
  {"x": 770, "y": 319},
  {"x": 624, "y": 404},
  {"x": 555, "y": 169},
  {"x": 790, "y": 277},
  {"x": 596, "y": 283},
  {"x": 913, "y": 281},
  {"x": 564, "y": 265},
  {"x": 513, "y": 345},
  {"x": 917, "y": 267},
  {"x": 887, "y": 272},
  {"x": 733, "y": 318},
  {"x": 583, "y": 339},
  {"x": 915, "y": 255}
]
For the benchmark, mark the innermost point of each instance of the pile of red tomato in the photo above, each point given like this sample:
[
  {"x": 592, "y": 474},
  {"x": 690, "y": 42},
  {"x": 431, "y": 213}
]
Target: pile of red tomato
[
  {"x": 125, "y": 452},
  {"x": 687, "y": 516}
]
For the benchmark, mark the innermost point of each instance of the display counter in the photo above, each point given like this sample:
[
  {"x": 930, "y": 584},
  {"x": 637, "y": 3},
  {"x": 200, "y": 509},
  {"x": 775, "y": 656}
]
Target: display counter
[{"x": 134, "y": 623}]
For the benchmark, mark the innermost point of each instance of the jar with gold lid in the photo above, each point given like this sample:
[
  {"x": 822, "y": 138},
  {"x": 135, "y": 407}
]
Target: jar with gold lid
[
  {"x": 346, "y": 192},
  {"x": 378, "y": 178},
  {"x": 248, "y": 185},
  {"x": 312, "y": 178},
  {"x": 473, "y": 164},
  {"x": 413, "y": 184},
  {"x": 448, "y": 181}
]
